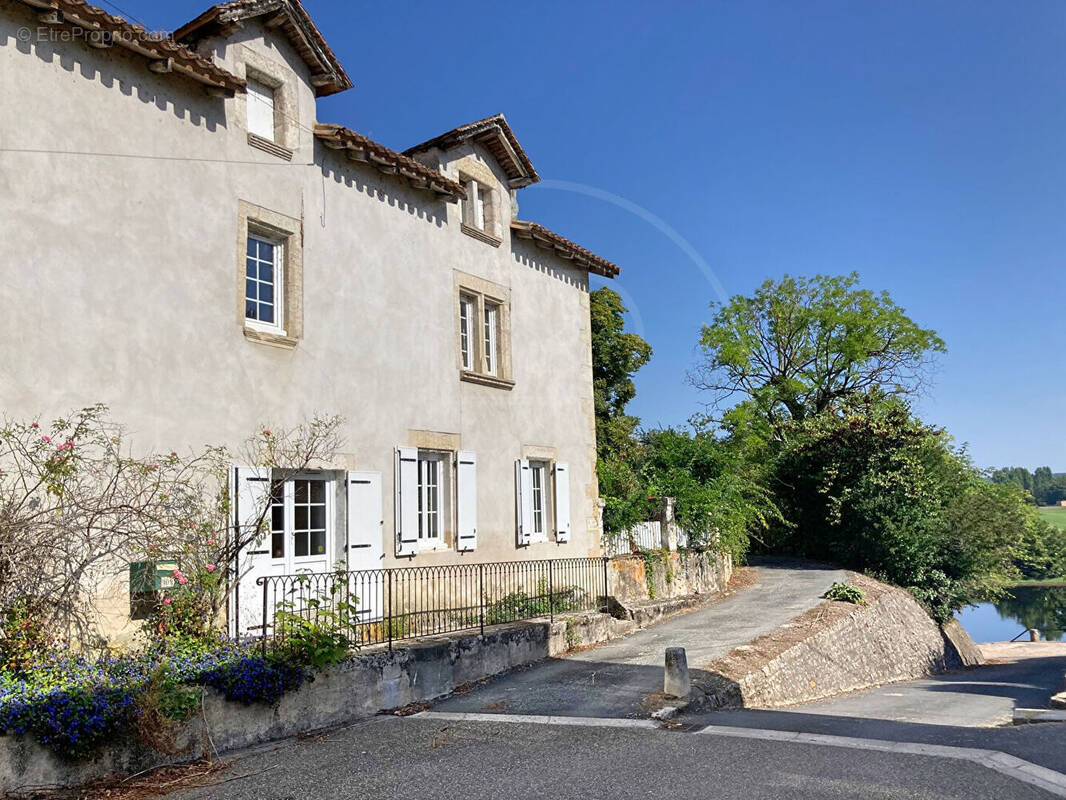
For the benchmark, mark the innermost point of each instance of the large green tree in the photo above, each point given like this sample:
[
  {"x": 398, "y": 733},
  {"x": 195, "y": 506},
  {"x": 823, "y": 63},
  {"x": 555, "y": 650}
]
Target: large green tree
[
  {"x": 875, "y": 489},
  {"x": 616, "y": 357},
  {"x": 800, "y": 346}
]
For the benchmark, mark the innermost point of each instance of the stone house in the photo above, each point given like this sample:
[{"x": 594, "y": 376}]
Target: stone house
[{"x": 186, "y": 242}]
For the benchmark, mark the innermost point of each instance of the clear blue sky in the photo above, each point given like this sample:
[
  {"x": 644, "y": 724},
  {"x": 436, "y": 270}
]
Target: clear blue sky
[{"x": 716, "y": 144}]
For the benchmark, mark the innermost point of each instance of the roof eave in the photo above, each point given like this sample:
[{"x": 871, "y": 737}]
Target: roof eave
[
  {"x": 494, "y": 134},
  {"x": 363, "y": 150},
  {"x": 328, "y": 76},
  {"x": 562, "y": 247},
  {"x": 165, "y": 55}
]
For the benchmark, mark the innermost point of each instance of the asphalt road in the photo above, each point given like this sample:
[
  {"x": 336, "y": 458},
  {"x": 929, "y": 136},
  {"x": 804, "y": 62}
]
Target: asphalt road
[
  {"x": 578, "y": 728},
  {"x": 394, "y": 758},
  {"x": 617, "y": 678}
]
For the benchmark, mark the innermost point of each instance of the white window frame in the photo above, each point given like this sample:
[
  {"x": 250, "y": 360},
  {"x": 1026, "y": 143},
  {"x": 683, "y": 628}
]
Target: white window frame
[
  {"x": 438, "y": 462},
  {"x": 492, "y": 337},
  {"x": 257, "y": 105},
  {"x": 540, "y": 502},
  {"x": 278, "y": 325},
  {"x": 468, "y": 330},
  {"x": 288, "y": 532},
  {"x": 474, "y": 205}
]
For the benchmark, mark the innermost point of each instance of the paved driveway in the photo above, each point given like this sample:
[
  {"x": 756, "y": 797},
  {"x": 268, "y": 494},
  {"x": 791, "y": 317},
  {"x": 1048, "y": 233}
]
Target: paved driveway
[{"x": 614, "y": 679}]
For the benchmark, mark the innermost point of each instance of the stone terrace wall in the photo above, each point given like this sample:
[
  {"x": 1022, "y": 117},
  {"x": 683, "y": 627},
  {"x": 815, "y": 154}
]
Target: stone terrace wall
[
  {"x": 350, "y": 691},
  {"x": 836, "y": 648},
  {"x": 637, "y": 579}
]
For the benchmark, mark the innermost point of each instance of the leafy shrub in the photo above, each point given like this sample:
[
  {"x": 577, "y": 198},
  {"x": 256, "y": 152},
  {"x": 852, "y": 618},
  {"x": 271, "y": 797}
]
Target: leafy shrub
[
  {"x": 24, "y": 638},
  {"x": 876, "y": 490},
  {"x": 846, "y": 593},
  {"x": 182, "y": 622},
  {"x": 319, "y": 632},
  {"x": 515, "y": 606}
]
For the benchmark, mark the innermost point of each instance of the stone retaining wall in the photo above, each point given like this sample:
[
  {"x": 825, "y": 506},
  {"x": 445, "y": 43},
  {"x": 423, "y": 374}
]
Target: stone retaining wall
[
  {"x": 836, "y": 648},
  {"x": 345, "y": 693},
  {"x": 636, "y": 580}
]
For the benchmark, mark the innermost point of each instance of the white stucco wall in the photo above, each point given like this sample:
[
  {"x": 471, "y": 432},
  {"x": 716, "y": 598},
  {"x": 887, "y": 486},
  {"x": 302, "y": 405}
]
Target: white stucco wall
[{"x": 118, "y": 276}]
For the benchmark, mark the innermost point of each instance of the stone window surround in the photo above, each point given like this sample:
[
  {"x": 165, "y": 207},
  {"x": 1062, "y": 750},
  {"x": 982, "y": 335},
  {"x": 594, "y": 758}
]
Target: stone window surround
[
  {"x": 449, "y": 445},
  {"x": 548, "y": 456},
  {"x": 470, "y": 169},
  {"x": 480, "y": 290},
  {"x": 289, "y": 231},
  {"x": 286, "y": 111}
]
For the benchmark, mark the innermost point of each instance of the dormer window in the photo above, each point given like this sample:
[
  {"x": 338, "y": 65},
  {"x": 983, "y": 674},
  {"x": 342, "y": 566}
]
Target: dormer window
[
  {"x": 479, "y": 211},
  {"x": 474, "y": 206},
  {"x": 261, "y": 110}
]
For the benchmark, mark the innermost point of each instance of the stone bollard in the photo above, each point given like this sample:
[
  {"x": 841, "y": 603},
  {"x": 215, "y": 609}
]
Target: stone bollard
[
  {"x": 677, "y": 682},
  {"x": 1034, "y": 635}
]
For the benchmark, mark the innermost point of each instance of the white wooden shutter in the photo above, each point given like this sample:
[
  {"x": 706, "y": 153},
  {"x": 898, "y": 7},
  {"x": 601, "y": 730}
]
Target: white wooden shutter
[
  {"x": 523, "y": 501},
  {"x": 260, "y": 100},
  {"x": 406, "y": 501},
  {"x": 478, "y": 203},
  {"x": 366, "y": 546},
  {"x": 251, "y": 522},
  {"x": 466, "y": 477},
  {"x": 562, "y": 501}
]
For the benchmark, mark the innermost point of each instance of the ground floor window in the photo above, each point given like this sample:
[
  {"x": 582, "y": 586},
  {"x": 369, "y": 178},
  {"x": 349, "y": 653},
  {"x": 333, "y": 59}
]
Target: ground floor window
[
  {"x": 541, "y": 480},
  {"x": 433, "y": 493},
  {"x": 298, "y": 517}
]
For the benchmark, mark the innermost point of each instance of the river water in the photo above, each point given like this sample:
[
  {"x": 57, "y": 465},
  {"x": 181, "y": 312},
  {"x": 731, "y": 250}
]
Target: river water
[{"x": 1040, "y": 607}]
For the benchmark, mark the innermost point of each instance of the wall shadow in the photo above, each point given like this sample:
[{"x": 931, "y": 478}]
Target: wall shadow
[{"x": 117, "y": 68}]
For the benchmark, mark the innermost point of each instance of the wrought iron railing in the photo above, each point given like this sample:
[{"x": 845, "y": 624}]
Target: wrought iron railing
[{"x": 383, "y": 606}]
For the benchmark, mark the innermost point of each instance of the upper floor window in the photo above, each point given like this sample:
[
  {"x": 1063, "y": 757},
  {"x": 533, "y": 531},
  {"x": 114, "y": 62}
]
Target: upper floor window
[
  {"x": 270, "y": 274},
  {"x": 261, "y": 110},
  {"x": 483, "y": 336},
  {"x": 263, "y": 284},
  {"x": 492, "y": 347},
  {"x": 467, "y": 327}
]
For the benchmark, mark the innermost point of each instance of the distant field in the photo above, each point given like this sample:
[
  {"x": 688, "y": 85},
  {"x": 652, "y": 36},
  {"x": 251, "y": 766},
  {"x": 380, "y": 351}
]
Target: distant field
[{"x": 1056, "y": 515}]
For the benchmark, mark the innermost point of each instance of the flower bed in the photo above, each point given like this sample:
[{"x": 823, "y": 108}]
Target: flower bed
[{"x": 72, "y": 705}]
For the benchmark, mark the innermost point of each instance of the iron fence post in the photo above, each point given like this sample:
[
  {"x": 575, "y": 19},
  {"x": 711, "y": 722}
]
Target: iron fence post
[
  {"x": 481, "y": 597},
  {"x": 551, "y": 591},
  {"x": 388, "y": 576},
  {"x": 263, "y": 637}
]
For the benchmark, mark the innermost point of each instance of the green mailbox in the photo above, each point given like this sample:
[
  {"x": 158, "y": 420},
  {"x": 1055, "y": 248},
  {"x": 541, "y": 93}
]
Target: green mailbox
[{"x": 147, "y": 578}]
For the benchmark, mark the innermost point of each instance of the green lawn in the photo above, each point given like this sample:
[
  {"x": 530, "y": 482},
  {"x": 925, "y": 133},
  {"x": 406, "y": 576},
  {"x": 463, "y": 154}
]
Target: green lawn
[
  {"x": 1056, "y": 515},
  {"x": 1053, "y": 582}
]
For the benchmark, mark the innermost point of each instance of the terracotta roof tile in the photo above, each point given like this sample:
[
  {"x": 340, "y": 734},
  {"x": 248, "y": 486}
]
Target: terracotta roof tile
[
  {"x": 108, "y": 30},
  {"x": 549, "y": 240},
  {"x": 360, "y": 148},
  {"x": 328, "y": 76}
]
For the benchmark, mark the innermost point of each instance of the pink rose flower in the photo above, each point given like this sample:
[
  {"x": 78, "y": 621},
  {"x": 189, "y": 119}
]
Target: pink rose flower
[
  {"x": 173, "y": 454},
  {"x": 35, "y": 426},
  {"x": 167, "y": 601},
  {"x": 47, "y": 439},
  {"x": 210, "y": 567},
  {"x": 212, "y": 542},
  {"x": 266, "y": 432},
  {"x": 183, "y": 580}
]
